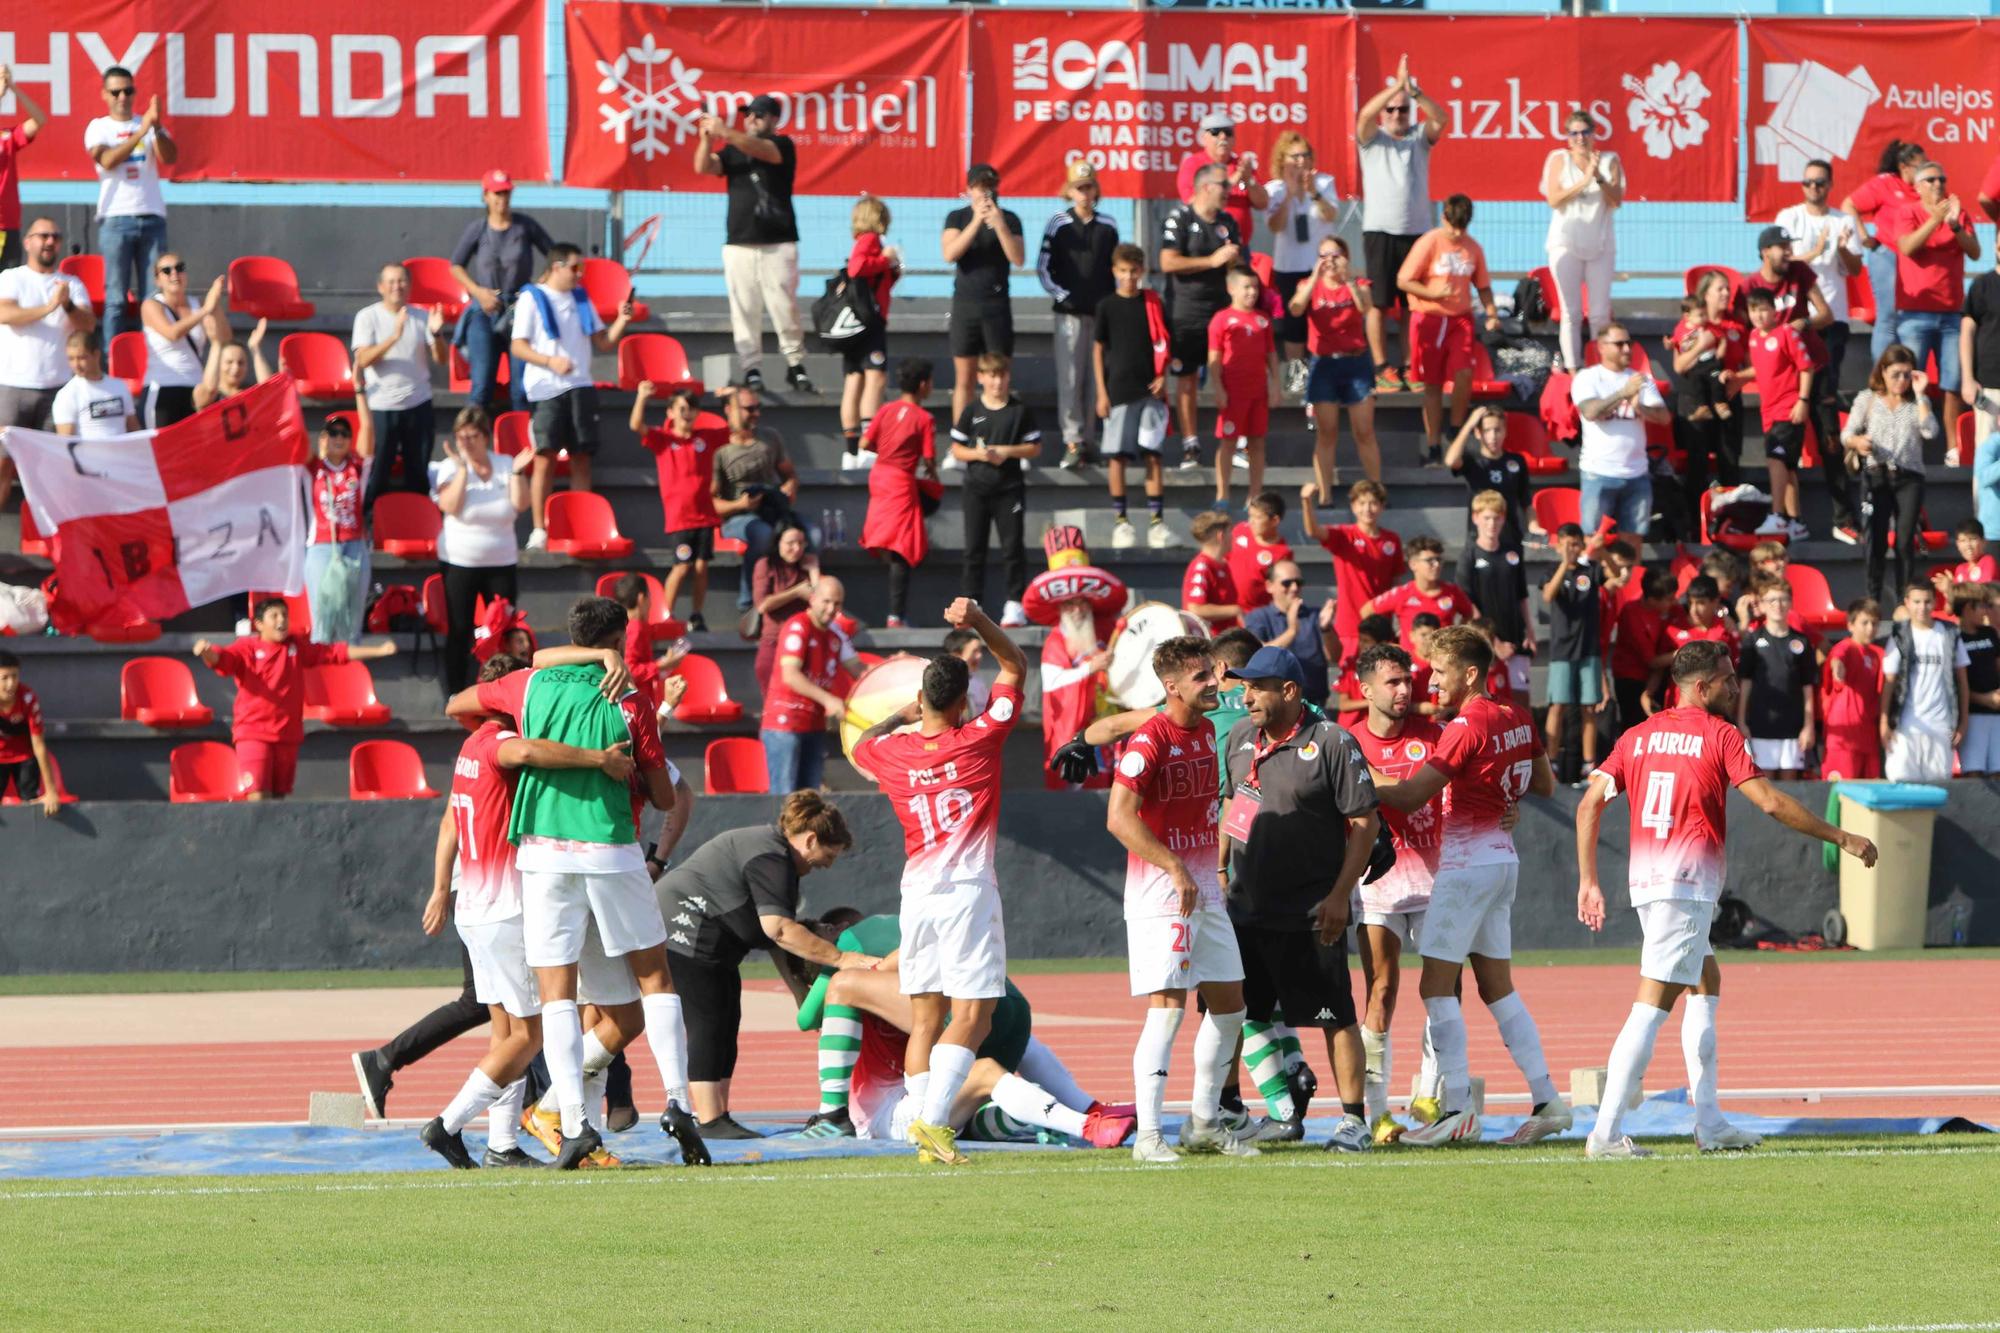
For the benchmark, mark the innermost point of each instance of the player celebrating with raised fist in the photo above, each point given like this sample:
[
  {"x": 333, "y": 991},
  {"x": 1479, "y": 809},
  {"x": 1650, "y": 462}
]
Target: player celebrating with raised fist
[
  {"x": 1677, "y": 768},
  {"x": 944, "y": 781}
]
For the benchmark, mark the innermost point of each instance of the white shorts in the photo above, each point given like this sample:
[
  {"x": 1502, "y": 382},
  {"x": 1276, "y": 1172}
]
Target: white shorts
[
  {"x": 1405, "y": 926},
  {"x": 881, "y": 1111},
  {"x": 1981, "y": 751},
  {"x": 601, "y": 979},
  {"x": 1179, "y": 953},
  {"x": 954, "y": 943},
  {"x": 1917, "y": 754},
  {"x": 558, "y": 906},
  {"x": 1772, "y": 756},
  {"x": 1471, "y": 911},
  {"x": 500, "y": 971},
  {"x": 1676, "y": 933}
]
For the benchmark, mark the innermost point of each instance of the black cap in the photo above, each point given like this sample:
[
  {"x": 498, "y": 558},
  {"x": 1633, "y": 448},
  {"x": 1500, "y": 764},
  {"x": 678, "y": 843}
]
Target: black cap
[
  {"x": 763, "y": 104},
  {"x": 1771, "y": 236}
]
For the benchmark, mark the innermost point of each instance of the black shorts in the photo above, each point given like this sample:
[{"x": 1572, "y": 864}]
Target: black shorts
[
  {"x": 979, "y": 327},
  {"x": 1781, "y": 443},
  {"x": 567, "y": 421},
  {"x": 1290, "y": 328},
  {"x": 1293, "y": 971},
  {"x": 26, "y": 777},
  {"x": 692, "y": 544},
  {"x": 1187, "y": 349},
  {"x": 1384, "y": 253},
  {"x": 712, "y": 1007},
  {"x": 868, "y": 352}
]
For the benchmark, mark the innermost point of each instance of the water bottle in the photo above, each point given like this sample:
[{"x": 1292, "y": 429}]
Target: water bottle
[
  {"x": 826, "y": 527},
  {"x": 1961, "y": 915},
  {"x": 840, "y": 527}
]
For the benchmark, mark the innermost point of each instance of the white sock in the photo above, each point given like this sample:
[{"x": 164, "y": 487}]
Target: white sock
[
  {"x": 1446, "y": 1025},
  {"x": 1630, "y": 1055},
  {"x": 1041, "y": 1067},
  {"x": 1429, "y": 1081},
  {"x": 596, "y": 1058},
  {"x": 1698, "y": 1045},
  {"x": 1524, "y": 1043},
  {"x": 1151, "y": 1059},
  {"x": 503, "y": 1122},
  {"x": 949, "y": 1066},
  {"x": 593, "y": 1100},
  {"x": 478, "y": 1093},
  {"x": 1375, "y": 1088},
  {"x": 916, "y": 1087},
  {"x": 1036, "y": 1106},
  {"x": 1214, "y": 1053},
  {"x": 666, "y": 1033},
  {"x": 562, "y": 1047}
]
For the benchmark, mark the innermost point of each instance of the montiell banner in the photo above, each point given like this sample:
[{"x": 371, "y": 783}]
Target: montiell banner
[{"x": 377, "y": 90}]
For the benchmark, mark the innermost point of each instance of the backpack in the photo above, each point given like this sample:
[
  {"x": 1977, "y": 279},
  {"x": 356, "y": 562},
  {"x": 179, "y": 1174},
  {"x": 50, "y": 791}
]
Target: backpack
[
  {"x": 846, "y": 311},
  {"x": 1896, "y": 688},
  {"x": 1531, "y": 303}
]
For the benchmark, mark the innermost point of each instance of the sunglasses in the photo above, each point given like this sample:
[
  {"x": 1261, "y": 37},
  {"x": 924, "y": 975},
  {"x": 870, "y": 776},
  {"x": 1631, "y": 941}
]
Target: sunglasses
[
  {"x": 171, "y": 268},
  {"x": 1930, "y": 180},
  {"x": 1817, "y": 182},
  {"x": 1221, "y": 134},
  {"x": 1291, "y": 583},
  {"x": 1620, "y": 342},
  {"x": 120, "y": 92},
  {"x": 1580, "y": 134},
  {"x": 1403, "y": 110}
]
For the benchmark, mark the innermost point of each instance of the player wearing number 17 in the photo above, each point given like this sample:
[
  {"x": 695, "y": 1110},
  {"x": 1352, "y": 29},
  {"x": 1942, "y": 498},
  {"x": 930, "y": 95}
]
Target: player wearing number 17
[
  {"x": 1678, "y": 767},
  {"x": 943, "y": 779}
]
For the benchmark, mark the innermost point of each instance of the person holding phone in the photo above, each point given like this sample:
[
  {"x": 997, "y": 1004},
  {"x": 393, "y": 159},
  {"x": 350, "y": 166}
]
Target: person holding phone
[
  {"x": 480, "y": 492},
  {"x": 760, "y": 251}
]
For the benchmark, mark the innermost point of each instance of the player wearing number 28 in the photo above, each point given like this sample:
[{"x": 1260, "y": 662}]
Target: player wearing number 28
[{"x": 943, "y": 779}]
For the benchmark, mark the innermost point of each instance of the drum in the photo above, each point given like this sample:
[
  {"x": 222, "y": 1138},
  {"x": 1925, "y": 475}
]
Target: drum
[
  {"x": 882, "y": 689},
  {"x": 1130, "y": 680}
]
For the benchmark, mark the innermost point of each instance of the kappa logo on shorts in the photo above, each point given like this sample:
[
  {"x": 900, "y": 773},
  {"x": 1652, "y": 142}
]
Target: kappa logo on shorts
[
  {"x": 1323, "y": 1016},
  {"x": 681, "y": 938}
]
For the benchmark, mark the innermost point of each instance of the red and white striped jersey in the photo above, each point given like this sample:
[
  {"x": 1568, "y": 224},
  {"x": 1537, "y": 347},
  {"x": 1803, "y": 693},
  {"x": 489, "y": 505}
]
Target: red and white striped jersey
[
  {"x": 482, "y": 803},
  {"x": 946, "y": 790},
  {"x": 1676, "y": 769}
]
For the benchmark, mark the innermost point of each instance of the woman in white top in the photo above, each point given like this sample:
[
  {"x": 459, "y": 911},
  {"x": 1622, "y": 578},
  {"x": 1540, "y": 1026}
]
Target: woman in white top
[
  {"x": 1303, "y": 211},
  {"x": 232, "y": 367},
  {"x": 480, "y": 494},
  {"x": 179, "y": 334},
  {"x": 1886, "y": 429},
  {"x": 1584, "y": 188}
]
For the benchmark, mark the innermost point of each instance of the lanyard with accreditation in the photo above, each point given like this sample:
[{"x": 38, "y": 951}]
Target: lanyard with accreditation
[{"x": 1247, "y": 802}]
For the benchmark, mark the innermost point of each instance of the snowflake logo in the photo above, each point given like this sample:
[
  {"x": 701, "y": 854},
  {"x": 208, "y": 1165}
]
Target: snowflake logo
[
  {"x": 648, "y": 100},
  {"x": 1664, "y": 109}
]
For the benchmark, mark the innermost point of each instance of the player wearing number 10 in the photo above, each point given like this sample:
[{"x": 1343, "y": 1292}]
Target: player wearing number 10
[
  {"x": 943, "y": 779},
  {"x": 1678, "y": 767}
]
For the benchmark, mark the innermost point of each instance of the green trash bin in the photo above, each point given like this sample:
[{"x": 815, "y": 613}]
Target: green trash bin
[{"x": 1884, "y": 907}]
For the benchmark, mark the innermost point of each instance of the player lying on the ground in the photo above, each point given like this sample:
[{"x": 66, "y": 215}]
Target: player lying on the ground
[
  {"x": 863, "y": 1020},
  {"x": 1677, "y": 768}
]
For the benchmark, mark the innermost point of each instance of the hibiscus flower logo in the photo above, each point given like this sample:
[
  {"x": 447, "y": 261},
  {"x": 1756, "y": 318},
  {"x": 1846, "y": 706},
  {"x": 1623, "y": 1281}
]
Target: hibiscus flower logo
[{"x": 1665, "y": 109}]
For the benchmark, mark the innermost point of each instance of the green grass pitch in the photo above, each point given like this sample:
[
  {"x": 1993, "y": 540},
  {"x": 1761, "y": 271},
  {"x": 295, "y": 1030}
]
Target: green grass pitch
[{"x": 1806, "y": 1234}]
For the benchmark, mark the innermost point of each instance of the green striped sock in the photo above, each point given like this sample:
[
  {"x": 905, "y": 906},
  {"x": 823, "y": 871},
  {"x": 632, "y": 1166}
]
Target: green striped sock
[
  {"x": 1288, "y": 1041},
  {"x": 990, "y": 1124},
  {"x": 1261, "y": 1052},
  {"x": 839, "y": 1048}
]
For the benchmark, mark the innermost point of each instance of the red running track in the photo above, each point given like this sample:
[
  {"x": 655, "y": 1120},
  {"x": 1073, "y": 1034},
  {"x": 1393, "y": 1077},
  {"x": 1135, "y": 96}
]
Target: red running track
[{"x": 1822, "y": 1023}]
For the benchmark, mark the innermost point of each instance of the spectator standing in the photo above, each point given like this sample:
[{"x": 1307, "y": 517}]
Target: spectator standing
[
  {"x": 12, "y": 141},
  {"x": 782, "y": 580},
  {"x": 1775, "y": 708},
  {"x": 798, "y": 702},
  {"x": 1975, "y": 563},
  {"x": 233, "y": 367},
  {"x": 494, "y": 260},
  {"x": 1783, "y": 363},
  {"x": 1925, "y": 694},
  {"x": 1495, "y": 578},
  {"x": 753, "y": 486},
  {"x": 1641, "y": 648},
  {"x": 1887, "y": 427},
  {"x": 1615, "y": 402},
  {"x": 25, "y": 761},
  {"x": 92, "y": 405},
  {"x": 1367, "y": 558},
  {"x": 864, "y": 362},
  {"x": 480, "y": 493},
  {"x": 1245, "y": 197},
  {"x": 1440, "y": 275},
  {"x": 1302, "y": 211},
  {"x": 1255, "y": 546},
  {"x": 1933, "y": 236},
  {"x": 760, "y": 252},
  {"x": 1979, "y": 362},
  {"x": 555, "y": 332},
  {"x": 904, "y": 439},
  {"x": 1198, "y": 244},
  {"x": 686, "y": 464},
  {"x": 339, "y": 558},
  {"x": 1829, "y": 243},
  {"x": 1889, "y": 185},
  {"x": 1577, "y": 678},
  {"x": 1979, "y": 752},
  {"x": 982, "y": 242},
  {"x": 39, "y": 308},
  {"x": 1130, "y": 361},
  {"x": 131, "y": 213},
  {"x": 1075, "y": 268},
  {"x": 1986, "y": 481},
  {"x": 1710, "y": 347},
  {"x": 1286, "y": 620},
  {"x": 393, "y": 346},
  {"x": 1395, "y": 199},
  {"x": 1427, "y": 593},
  {"x": 178, "y": 336},
  {"x": 1479, "y": 458},
  {"x": 1851, "y": 691},
  {"x": 996, "y": 432},
  {"x": 1243, "y": 361},
  {"x": 1335, "y": 305},
  {"x": 1584, "y": 185},
  {"x": 1208, "y": 589}
]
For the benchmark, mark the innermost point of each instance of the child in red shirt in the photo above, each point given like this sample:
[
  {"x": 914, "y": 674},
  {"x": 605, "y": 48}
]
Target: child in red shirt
[
  {"x": 24, "y": 756},
  {"x": 1851, "y": 690},
  {"x": 1243, "y": 360},
  {"x": 1784, "y": 386},
  {"x": 1366, "y": 557},
  {"x": 686, "y": 460},
  {"x": 1208, "y": 589},
  {"x": 864, "y": 362},
  {"x": 1425, "y": 592},
  {"x": 1974, "y": 564},
  {"x": 1255, "y": 546},
  {"x": 649, "y": 673},
  {"x": 1640, "y": 649},
  {"x": 903, "y": 436}
]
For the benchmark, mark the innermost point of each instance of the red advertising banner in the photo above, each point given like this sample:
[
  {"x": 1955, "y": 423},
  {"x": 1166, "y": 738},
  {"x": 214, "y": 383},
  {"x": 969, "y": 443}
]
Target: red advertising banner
[
  {"x": 1661, "y": 90},
  {"x": 375, "y": 90},
  {"x": 1842, "y": 91},
  {"x": 873, "y": 99},
  {"x": 1128, "y": 90}
]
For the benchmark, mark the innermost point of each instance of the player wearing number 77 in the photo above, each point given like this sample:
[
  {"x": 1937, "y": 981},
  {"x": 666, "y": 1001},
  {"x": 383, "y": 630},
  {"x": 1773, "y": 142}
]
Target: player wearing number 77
[
  {"x": 1677, "y": 767},
  {"x": 943, "y": 780}
]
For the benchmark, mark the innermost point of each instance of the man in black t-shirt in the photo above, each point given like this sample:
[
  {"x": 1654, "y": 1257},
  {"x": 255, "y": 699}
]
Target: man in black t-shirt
[
  {"x": 760, "y": 251},
  {"x": 1979, "y": 378},
  {"x": 1480, "y": 459},
  {"x": 1198, "y": 244},
  {"x": 493, "y": 260},
  {"x": 1129, "y": 394},
  {"x": 990, "y": 439},
  {"x": 1979, "y": 752},
  {"x": 1775, "y": 710},
  {"x": 1574, "y": 597},
  {"x": 982, "y": 241}
]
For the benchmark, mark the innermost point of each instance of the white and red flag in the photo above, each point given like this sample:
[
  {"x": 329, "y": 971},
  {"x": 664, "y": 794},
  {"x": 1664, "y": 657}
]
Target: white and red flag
[{"x": 148, "y": 525}]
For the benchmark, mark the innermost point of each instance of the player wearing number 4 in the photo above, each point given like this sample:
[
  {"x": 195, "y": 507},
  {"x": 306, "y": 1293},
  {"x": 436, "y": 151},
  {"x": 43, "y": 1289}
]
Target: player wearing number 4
[
  {"x": 944, "y": 781},
  {"x": 1678, "y": 767}
]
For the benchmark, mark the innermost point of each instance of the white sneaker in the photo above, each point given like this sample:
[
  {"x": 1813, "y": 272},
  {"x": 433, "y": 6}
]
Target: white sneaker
[
  {"x": 1456, "y": 1127},
  {"x": 1242, "y": 461},
  {"x": 1555, "y": 1118},
  {"x": 1800, "y": 532},
  {"x": 1190, "y": 456},
  {"x": 1620, "y": 1150},
  {"x": 1153, "y": 1150},
  {"x": 1351, "y": 1135},
  {"x": 1013, "y": 616},
  {"x": 1123, "y": 535},
  {"x": 1198, "y": 1135},
  {"x": 859, "y": 461},
  {"x": 948, "y": 462},
  {"x": 1161, "y": 537},
  {"x": 1775, "y": 525},
  {"x": 538, "y": 540},
  {"x": 1725, "y": 1137}
]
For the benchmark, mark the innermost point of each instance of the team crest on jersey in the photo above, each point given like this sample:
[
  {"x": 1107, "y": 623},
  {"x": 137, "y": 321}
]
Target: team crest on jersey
[
  {"x": 1444, "y": 603},
  {"x": 1389, "y": 547},
  {"x": 1309, "y": 751},
  {"x": 1415, "y": 750},
  {"x": 1263, "y": 557},
  {"x": 1513, "y": 557},
  {"x": 1798, "y": 646},
  {"x": 1000, "y": 710},
  {"x": 1583, "y": 583},
  {"x": 1133, "y": 764}
]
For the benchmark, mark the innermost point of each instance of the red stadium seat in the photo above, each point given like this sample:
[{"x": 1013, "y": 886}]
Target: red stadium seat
[
  {"x": 707, "y": 698},
  {"x": 433, "y": 287},
  {"x": 318, "y": 361},
  {"x": 1486, "y": 383},
  {"x": 1737, "y": 288},
  {"x": 606, "y": 282},
  {"x": 33, "y": 542},
  {"x": 386, "y": 771},
  {"x": 458, "y": 371},
  {"x": 581, "y": 524},
  {"x": 1262, "y": 265},
  {"x": 159, "y": 692},
  {"x": 9, "y": 796},
  {"x": 407, "y": 524},
  {"x": 1967, "y": 438},
  {"x": 1812, "y": 598},
  {"x": 430, "y": 600},
  {"x": 1527, "y": 437},
  {"x": 128, "y": 363},
  {"x": 265, "y": 287},
  {"x": 659, "y": 624},
  {"x": 514, "y": 435},
  {"x": 343, "y": 693},
  {"x": 298, "y": 611},
  {"x": 656, "y": 357},
  {"x": 202, "y": 771},
  {"x": 731, "y": 545},
  {"x": 1860, "y": 298},
  {"x": 88, "y": 270},
  {"x": 734, "y": 765},
  {"x": 1555, "y": 506}
]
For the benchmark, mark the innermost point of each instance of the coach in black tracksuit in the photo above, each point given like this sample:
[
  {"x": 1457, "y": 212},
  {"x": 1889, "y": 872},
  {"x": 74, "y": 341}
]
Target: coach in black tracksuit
[{"x": 993, "y": 436}]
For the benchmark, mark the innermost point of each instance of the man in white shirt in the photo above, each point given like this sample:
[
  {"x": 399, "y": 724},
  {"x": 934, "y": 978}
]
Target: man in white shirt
[
  {"x": 39, "y": 308},
  {"x": 93, "y": 405},
  {"x": 131, "y": 214},
  {"x": 1616, "y": 402},
  {"x": 1830, "y": 242},
  {"x": 555, "y": 331},
  {"x": 1925, "y": 695},
  {"x": 1395, "y": 198},
  {"x": 392, "y": 354}
]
